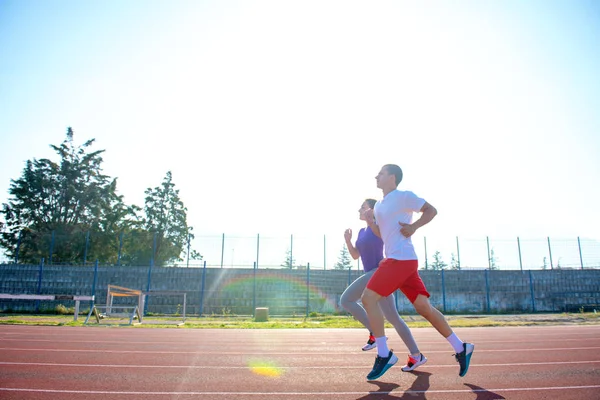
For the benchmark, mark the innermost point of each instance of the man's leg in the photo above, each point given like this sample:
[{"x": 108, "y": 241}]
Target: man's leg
[{"x": 437, "y": 319}]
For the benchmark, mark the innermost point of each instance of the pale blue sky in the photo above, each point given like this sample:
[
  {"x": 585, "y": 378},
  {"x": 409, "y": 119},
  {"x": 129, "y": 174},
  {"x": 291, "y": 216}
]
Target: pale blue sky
[{"x": 275, "y": 116}]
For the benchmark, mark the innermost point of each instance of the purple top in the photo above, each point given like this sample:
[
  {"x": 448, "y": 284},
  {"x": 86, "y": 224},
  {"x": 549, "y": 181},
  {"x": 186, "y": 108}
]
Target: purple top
[{"x": 370, "y": 247}]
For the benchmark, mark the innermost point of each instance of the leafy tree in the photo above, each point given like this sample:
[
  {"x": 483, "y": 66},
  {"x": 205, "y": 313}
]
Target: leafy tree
[
  {"x": 344, "y": 260},
  {"x": 438, "y": 264},
  {"x": 289, "y": 260},
  {"x": 55, "y": 204},
  {"x": 166, "y": 220}
]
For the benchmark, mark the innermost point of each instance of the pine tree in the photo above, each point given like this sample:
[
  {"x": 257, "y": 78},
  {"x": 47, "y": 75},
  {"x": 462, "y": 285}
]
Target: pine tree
[{"x": 344, "y": 260}]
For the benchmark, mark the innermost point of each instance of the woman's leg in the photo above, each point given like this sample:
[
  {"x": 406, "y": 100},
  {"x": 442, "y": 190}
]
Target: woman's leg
[{"x": 352, "y": 294}]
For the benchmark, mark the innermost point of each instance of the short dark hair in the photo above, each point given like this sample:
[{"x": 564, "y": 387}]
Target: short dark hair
[
  {"x": 394, "y": 170},
  {"x": 371, "y": 202}
]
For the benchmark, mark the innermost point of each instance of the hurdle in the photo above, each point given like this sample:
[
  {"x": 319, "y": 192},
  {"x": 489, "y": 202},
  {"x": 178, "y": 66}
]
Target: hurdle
[
  {"x": 50, "y": 297},
  {"x": 109, "y": 309}
]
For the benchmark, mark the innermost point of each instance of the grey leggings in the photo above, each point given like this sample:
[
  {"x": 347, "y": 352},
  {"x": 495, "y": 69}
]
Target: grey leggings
[{"x": 349, "y": 301}]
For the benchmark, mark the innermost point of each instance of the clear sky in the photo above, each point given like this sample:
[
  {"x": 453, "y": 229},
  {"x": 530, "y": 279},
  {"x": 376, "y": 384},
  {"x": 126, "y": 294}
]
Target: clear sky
[{"x": 275, "y": 116}]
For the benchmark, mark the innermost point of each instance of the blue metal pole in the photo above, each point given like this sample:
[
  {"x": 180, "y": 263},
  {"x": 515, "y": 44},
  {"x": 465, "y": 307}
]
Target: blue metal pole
[
  {"x": 257, "y": 248},
  {"x": 150, "y": 273},
  {"x": 520, "y": 259},
  {"x": 39, "y": 289},
  {"x": 94, "y": 282},
  {"x": 443, "y": 292},
  {"x": 487, "y": 239},
  {"x": 550, "y": 253},
  {"x": 202, "y": 290},
  {"x": 487, "y": 290},
  {"x": 457, "y": 253},
  {"x": 222, "y": 248},
  {"x": 580, "y": 255},
  {"x": 307, "y": 288},
  {"x": 531, "y": 289},
  {"x": 254, "y": 292}
]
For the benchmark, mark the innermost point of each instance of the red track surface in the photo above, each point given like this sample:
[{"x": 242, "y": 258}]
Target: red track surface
[{"x": 73, "y": 363}]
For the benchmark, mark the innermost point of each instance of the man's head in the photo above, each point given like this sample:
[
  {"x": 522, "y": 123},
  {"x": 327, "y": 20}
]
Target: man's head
[{"x": 389, "y": 177}]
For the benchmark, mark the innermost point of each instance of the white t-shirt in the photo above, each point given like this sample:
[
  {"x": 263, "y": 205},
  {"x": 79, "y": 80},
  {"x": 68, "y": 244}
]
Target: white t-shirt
[{"x": 397, "y": 206}]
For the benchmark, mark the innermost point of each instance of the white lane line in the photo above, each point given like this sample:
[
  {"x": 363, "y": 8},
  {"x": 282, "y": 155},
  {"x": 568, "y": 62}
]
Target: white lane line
[
  {"x": 281, "y": 394},
  {"x": 313, "y": 343},
  {"x": 40, "y": 364},
  {"x": 266, "y": 353},
  {"x": 8, "y": 363}
]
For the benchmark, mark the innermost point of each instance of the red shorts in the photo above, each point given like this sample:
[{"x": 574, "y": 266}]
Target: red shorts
[{"x": 398, "y": 274}]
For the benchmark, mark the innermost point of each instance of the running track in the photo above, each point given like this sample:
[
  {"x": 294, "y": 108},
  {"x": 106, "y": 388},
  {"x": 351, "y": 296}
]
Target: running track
[{"x": 74, "y": 363}]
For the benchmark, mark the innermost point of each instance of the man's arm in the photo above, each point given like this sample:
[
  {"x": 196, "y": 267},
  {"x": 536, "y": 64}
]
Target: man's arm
[{"x": 428, "y": 212}]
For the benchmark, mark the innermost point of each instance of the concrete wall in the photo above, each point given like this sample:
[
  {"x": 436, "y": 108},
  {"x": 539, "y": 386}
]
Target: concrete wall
[{"x": 239, "y": 291}]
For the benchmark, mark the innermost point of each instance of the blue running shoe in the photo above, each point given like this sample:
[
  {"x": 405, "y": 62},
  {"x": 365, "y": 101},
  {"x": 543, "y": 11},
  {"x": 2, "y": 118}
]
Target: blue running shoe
[
  {"x": 464, "y": 358},
  {"x": 382, "y": 364}
]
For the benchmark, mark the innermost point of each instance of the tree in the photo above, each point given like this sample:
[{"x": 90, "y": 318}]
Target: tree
[
  {"x": 55, "y": 204},
  {"x": 454, "y": 262},
  {"x": 289, "y": 261},
  {"x": 545, "y": 264},
  {"x": 166, "y": 221},
  {"x": 438, "y": 264},
  {"x": 344, "y": 260}
]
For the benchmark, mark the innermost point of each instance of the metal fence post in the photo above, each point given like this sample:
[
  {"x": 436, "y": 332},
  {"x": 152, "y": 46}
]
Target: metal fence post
[
  {"x": 487, "y": 239},
  {"x": 550, "y": 253},
  {"x": 457, "y": 252},
  {"x": 254, "y": 292},
  {"x": 39, "y": 289},
  {"x": 94, "y": 283},
  {"x": 307, "y": 288},
  {"x": 150, "y": 273},
  {"x": 222, "y": 248},
  {"x": 443, "y": 292},
  {"x": 487, "y": 290},
  {"x": 202, "y": 290},
  {"x": 580, "y": 255},
  {"x": 520, "y": 259},
  {"x": 257, "y": 248},
  {"x": 531, "y": 289}
]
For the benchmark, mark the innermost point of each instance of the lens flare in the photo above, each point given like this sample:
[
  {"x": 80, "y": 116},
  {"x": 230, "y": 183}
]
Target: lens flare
[{"x": 265, "y": 368}]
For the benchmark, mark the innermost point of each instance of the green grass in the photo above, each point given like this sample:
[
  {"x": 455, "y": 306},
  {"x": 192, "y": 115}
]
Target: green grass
[{"x": 315, "y": 321}]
